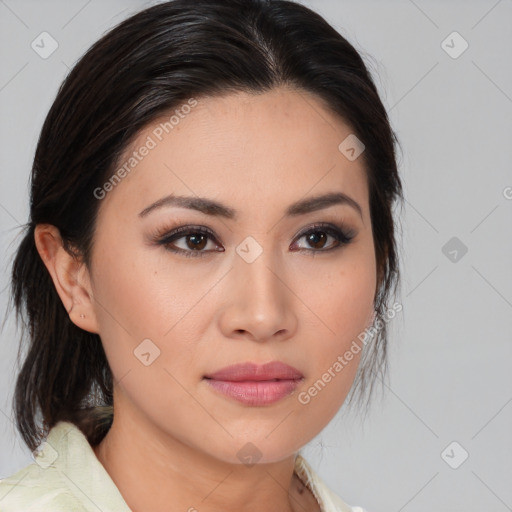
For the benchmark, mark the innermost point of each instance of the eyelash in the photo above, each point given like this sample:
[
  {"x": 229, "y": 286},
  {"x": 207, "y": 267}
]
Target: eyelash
[{"x": 342, "y": 236}]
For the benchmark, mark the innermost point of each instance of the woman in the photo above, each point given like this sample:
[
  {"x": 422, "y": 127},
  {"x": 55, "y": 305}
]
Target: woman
[{"x": 209, "y": 256}]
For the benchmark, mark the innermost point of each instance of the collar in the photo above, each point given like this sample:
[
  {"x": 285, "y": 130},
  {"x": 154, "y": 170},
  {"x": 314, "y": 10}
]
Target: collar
[{"x": 67, "y": 449}]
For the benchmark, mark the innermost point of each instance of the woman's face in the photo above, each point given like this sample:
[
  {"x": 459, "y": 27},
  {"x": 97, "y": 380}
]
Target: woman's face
[{"x": 262, "y": 276}]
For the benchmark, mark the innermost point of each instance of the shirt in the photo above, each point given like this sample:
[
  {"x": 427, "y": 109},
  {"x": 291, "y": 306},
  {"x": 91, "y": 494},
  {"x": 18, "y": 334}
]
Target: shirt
[{"x": 66, "y": 476}]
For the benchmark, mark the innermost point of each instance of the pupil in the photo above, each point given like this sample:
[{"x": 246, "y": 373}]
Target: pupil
[
  {"x": 317, "y": 239},
  {"x": 314, "y": 238},
  {"x": 198, "y": 239}
]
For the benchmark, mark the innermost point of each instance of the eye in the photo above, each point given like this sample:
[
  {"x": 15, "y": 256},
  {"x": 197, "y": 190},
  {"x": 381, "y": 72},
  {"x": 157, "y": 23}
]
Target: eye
[
  {"x": 318, "y": 235},
  {"x": 193, "y": 241}
]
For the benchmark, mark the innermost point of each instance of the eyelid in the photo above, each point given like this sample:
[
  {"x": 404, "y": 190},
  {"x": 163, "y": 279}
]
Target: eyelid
[
  {"x": 166, "y": 235},
  {"x": 328, "y": 227},
  {"x": 167, "y": 232},
  {"x": 341, "y": 234}
]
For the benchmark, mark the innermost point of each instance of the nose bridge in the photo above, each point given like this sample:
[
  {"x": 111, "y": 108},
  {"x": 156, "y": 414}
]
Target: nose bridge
[
  {"x": 260, "y": 303},
  {"x": 256, "y": 267}
]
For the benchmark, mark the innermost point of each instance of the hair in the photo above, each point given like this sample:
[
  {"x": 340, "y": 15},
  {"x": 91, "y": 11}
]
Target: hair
[{"x": 144, "y": 67}]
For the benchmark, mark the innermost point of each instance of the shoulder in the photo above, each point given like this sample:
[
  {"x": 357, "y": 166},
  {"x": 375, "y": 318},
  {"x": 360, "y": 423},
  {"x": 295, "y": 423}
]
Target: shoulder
[
  {"x": 36, "y": 489},
  {"x": 327, "y": 499},
  {"x": 65, "y": 476}
]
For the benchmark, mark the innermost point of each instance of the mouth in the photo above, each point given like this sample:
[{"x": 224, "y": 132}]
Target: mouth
[{"x": 255, "y": 385}]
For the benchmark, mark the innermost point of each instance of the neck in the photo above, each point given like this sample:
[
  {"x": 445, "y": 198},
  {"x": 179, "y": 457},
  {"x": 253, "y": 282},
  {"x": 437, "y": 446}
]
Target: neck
[{"x": 156, "y": 472}]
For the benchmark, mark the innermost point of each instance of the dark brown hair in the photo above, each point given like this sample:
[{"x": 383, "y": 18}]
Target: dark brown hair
[{"x": 141, "y": 69}]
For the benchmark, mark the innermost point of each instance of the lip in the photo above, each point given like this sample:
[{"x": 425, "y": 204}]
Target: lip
[
  {"x": 275, "y": 370},
  {"x": 254, "y": 384}
]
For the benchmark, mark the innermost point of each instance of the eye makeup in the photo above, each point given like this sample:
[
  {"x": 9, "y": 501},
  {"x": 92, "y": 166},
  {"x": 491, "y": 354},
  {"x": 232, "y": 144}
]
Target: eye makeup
[{"x": 197, "y": 238}]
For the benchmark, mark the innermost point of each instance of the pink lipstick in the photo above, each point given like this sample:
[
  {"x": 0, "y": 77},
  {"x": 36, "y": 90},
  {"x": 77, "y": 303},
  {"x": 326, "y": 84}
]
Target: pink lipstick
[{"x": 254, "y": 384}]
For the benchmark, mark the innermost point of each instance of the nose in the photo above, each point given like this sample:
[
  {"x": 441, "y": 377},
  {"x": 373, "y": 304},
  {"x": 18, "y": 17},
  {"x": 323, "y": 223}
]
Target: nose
[{"x": 261, "y": 305}]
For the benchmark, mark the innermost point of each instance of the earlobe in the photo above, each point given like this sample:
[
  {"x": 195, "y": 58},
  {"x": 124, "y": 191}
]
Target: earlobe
[{"x": 69, "y": 275}]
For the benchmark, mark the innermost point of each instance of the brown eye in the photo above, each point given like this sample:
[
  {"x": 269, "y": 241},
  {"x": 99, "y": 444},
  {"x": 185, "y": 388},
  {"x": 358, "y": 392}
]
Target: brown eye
[
  {"x": 317, "y": 238},
  {"x": 195, "y": 241}
]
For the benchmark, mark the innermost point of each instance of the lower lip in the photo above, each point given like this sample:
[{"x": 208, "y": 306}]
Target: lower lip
[{"x": 263, "y": 392}]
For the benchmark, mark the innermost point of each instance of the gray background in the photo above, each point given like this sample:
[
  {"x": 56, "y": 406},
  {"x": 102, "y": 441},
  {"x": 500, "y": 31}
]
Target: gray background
[{"x": 451, "y": 350}]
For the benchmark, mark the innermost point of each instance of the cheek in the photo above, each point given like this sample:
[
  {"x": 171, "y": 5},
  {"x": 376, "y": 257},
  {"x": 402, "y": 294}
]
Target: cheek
[
  {"x": 148, "y": 296},
  {"x": 340, "y": 295},
  {"x": 343, "y": 308},
  {"x": 134, "y": 294},
  {"x": 335, "y": 359}
]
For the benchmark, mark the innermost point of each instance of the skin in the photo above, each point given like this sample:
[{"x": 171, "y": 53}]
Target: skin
[{"x": 257, "y": 154}]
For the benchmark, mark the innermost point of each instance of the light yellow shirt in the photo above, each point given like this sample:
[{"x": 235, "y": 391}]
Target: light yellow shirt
[{"x": 68, "y": 477}]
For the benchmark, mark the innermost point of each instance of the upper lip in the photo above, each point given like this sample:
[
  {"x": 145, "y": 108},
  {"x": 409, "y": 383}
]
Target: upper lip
[{"x": 275, "y": 370}]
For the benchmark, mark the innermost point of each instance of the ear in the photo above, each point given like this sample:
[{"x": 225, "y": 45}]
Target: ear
[{"x": 70, "y": 277}]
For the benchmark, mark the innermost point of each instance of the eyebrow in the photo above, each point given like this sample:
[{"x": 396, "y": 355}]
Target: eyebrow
[{"x": 215, "y": 208}]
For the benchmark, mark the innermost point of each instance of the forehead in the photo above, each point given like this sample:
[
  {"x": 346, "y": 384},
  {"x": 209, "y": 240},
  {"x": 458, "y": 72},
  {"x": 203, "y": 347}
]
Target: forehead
[{"x": 242, "y": 149}]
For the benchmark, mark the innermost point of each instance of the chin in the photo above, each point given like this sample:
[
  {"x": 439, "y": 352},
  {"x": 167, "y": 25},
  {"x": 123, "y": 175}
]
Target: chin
[{"x": 246, "y": 451}]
